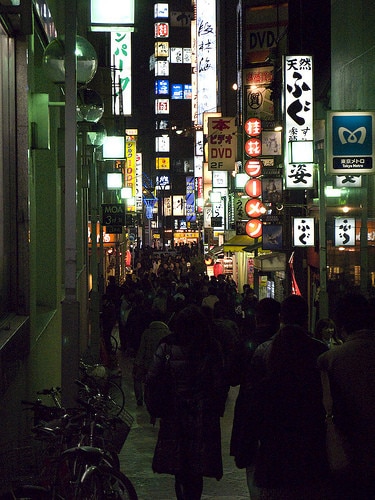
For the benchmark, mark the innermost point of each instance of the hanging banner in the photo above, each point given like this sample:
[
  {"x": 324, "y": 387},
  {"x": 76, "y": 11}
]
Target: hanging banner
[
  {"x": 304, "y": 232},
  {"x": 344, "y": 232}
]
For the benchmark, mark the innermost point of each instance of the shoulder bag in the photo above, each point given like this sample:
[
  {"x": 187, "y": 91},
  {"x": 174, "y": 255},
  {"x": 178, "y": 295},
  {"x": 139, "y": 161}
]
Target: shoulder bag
[{"x": 158, "y": 392}]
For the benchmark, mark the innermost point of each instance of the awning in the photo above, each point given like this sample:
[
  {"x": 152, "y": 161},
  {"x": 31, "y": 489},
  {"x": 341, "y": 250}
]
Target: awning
[
  {"x": 216, "y": 250},
  {"x": 238, "y": 243},
  {"x": 270, "y": 262}
]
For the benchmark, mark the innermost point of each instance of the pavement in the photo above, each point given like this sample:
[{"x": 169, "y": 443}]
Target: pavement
[{"x": 137, "y": 452}]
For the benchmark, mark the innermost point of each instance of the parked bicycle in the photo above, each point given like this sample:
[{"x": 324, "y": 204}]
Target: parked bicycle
[
  {"x": 97, "y": 381},
  {"x": 78, "y": 448}
]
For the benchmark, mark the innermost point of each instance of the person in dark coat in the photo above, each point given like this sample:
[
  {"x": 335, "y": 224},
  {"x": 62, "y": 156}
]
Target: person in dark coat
[
  {"x": 267, "y": 318},
  {"x": 351, "y": 372},
  {"x": 189, "y": 439},
  {"x": 138, "y": 320},
  {"x": 287, "y": 418},
  {"x": 150, "y": 340},
  {"x": 283, "y": 421}
]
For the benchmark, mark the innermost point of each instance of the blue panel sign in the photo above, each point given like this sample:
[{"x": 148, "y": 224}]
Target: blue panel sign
[
  {"x": 161, "y": 87},
  {"x": 177, "y": 91},
  {"x": 350, "y": 142}
]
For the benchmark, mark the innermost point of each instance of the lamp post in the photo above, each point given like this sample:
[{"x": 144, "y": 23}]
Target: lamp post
[
  {"x": 70, "y": 305},
  {"x": 69, "y": 61}
]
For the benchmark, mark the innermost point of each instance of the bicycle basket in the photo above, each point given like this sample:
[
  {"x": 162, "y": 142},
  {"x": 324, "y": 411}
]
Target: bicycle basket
[
  {"x": 47, "y": 414},
  {"x": 115, "y": 437}
]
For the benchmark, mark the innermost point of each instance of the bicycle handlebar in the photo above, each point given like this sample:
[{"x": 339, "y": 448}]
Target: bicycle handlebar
[{"x": 48, "y": 392}]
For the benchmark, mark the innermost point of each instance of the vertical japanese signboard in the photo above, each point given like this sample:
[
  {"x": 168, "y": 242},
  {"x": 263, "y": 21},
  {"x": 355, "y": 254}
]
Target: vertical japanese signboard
[
  {"x": 122, "y": 74},
  {"x": 222, "y": 143},
  {"x": 344, "y": 231},
  {"x": 303, "y": 232},
  {"x": 298, "y": 101},
  {"x": 130, "y": 173},
  {"x": 206, "y": 57}
]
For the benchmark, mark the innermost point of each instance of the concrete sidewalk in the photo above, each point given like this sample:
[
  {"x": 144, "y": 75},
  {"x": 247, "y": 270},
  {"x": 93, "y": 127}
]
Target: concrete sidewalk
[{"x": 137, "y": 452}]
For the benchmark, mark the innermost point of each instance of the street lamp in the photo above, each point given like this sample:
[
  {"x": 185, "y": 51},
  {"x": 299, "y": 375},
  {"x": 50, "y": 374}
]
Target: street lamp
[
  {"x": 54, "y": 60},
  {"x": 114, "y": 148}
]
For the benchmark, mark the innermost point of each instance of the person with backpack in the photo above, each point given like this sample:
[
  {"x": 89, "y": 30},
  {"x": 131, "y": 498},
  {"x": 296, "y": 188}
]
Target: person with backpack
[{"x": 188, "y": 366}]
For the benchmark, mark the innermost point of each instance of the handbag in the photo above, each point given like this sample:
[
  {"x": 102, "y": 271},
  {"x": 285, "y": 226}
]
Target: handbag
[
  {"x": 337, "y": 446},
  {"x": 158, "y": 391}
]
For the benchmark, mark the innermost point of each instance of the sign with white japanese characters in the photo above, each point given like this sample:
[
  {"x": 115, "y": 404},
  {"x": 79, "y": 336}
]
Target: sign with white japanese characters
[
  {"x": 303, "y": 232},
  {"x": 222, "y": 143},
  {"x": 344, "y": 231},
  {"x": 253, "y": 167},
  {"x": 138, "y": 182},
  {"x": 350, "y": 142},
  {"x": 254, "y": 228},
  {"x": 161, "y": 87},
  {"x": 190, "y": 199},
  {"x": 161, "y": 30},
  {"x": 255, "y": 208}
]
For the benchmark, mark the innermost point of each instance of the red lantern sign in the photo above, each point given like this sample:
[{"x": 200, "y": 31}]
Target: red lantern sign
[
  {"x": 255, "y": 208},
  {"x": 254, "y": 228},
  {"x": 253, "y": 167},
  {"x": 253, "y": 127},
  {"x": 253, "y": 147},
  {"x": 161, "y": 30},
  {"x": 253, "y": 188}
]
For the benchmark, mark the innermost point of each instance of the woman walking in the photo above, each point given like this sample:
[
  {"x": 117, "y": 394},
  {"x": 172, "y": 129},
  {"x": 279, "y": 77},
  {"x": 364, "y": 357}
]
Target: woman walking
[{"x": 189, "y": 361}]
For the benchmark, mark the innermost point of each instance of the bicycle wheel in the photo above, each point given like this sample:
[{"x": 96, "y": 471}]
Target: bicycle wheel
[
  {"x": 115, "y": 398},
  {"x": 29, "y": 493},
  {"x": 103, "y": 483}
]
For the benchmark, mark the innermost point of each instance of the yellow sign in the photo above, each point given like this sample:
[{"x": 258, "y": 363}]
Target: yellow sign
[
  {"x": 162, "y": 163},
  {"x": 130, "y": 169}
]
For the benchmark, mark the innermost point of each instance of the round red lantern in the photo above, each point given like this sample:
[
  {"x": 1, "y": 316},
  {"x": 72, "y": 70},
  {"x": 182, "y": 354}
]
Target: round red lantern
[
  {"x": 254, "y": 228},
  {"x": 253, "y": 167},
  {"x": 253, "y": 188}
]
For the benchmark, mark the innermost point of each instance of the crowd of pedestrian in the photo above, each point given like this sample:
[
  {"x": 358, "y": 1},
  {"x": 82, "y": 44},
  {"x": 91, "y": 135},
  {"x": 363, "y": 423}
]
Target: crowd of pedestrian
[{"x": 217, "y": 337}]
